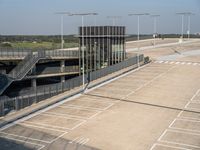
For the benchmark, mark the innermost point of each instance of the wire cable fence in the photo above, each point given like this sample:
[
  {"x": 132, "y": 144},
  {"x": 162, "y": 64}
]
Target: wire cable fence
[{"x": 34, "y": 95}]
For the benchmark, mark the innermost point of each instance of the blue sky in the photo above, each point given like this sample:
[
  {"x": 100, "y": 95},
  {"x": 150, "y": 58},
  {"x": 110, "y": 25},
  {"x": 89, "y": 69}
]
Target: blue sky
[{"x": 37, "y": 16}]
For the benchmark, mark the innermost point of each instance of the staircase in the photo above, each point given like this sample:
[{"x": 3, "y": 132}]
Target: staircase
[{"x": 20, "y": 71}]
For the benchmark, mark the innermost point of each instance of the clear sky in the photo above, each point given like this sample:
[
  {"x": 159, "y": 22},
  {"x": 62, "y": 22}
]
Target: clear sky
[{"x": 37, "y": 16}]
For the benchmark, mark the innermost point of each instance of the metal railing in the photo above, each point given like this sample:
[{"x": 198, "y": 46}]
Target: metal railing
[
  {"x": 52, "y": 70},
  {"x": 29, "y": 95},
  {"x": 63, "y": 53},
  {"x": 21, "y": 53},
  {"x": 20, "y": 71},
  {"x": 31, "y": 58},
  {"x": 13, "y": 53},
  {"x": 26, "y": 65}
]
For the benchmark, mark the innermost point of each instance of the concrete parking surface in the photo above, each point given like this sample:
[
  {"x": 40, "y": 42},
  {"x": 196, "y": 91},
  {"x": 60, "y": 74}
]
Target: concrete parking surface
[{"x": 154, "y": 108}]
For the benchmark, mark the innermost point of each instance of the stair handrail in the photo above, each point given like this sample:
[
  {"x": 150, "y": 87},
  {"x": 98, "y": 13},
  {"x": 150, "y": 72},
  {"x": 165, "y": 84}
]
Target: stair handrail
[{"x": 23, "y": 67}]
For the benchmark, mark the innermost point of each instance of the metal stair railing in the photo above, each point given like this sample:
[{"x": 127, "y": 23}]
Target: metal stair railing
[
  {"x": 20, "y": 71},
  {"x": 5, "y": 81}
]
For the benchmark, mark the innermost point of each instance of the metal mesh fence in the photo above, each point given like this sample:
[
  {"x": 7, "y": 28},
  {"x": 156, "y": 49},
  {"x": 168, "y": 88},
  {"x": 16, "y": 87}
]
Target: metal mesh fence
[
  {"x": 30, "y": 95},
  {"x": 21, "y": 53}
]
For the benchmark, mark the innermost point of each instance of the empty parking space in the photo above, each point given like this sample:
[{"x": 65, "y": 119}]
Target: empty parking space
[
  {"x": 89, "y": 104},
  {"x": 153, "y": 108},
  {"x": 168, "y": 147},
  {"x": 187, "y": 125},
  {"x": 194, "y": 106},
  {"x": 111, "y": 92},
  {"x": 190, "y": 115},
  {"x": 54, "y": 121},
  {"x": 181, "y": 138},
  {"x": 30, "y": 133},
  {"x": 72, "y": 112}
]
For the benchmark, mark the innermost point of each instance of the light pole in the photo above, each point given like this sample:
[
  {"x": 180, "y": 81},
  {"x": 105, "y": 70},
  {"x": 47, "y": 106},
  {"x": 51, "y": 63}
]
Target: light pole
[
  {"x": 82, "y": 46},
  {"x": 155, "y": 27},
  {"x": 114, "y": 19},
  {"x": 62, "y": 26},
  {"x": 182, "y": 14},
  {"x": 138, "y": 34},
  {"x": 189, "y": 14}
]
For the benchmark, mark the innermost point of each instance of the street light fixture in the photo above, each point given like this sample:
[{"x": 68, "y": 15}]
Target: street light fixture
[
  {"x": 82, "y": 47},
  {"x": 155, "y": 27},
  {"x": 114, "y": 19},
  {"x": 189, "y": 14},
  {"x": 182, "y": 14},
  {"x": 138, "y": 37},
  {"x": 62, "y": 26}
]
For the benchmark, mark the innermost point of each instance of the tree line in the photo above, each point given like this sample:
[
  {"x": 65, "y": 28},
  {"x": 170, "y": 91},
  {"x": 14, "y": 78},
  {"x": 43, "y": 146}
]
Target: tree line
[{"x": 37, "y": 38}]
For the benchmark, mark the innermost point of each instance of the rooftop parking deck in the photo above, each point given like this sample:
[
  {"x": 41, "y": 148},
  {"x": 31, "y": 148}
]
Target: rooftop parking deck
[{"x": 154, "y": 108}]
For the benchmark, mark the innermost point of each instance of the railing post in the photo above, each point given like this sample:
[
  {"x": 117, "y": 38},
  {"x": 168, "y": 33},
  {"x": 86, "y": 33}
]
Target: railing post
[
  {"x": 16, "y": 103},
  {"x": 2, "y": 108}
]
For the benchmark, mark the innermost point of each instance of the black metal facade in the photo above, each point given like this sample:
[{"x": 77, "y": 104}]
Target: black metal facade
[{"x": 103, "y": 46}]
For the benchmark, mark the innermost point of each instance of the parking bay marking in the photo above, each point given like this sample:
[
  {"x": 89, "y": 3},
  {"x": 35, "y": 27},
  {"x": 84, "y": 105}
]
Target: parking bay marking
[{"x": 178, "y": 143}]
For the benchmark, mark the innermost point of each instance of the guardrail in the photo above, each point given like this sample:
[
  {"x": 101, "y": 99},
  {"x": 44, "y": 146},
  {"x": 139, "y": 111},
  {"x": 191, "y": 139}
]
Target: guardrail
[
  {"x": 63, "y": 53},
  {"x": 51, "y": 70},
  {"x": 30, "y": 95},
  {"x": 20, "y": 53},
  {"x": 13, "y": 53}
]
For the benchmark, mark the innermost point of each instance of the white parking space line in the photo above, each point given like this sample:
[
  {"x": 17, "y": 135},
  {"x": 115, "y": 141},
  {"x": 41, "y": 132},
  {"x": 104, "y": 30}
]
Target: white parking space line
[
  {"x": 59, "y": 137},
  {"x": 76, "y": 126},
  {"x": 46, "y": 125},
  {"x": 194, "y": 64},
  {"x": 179, "y": 143},
  {"x": 90, "y": 108},
  {"x": 185, "y": 128},
  {"x": 178, "y": 116},
  {"x": 91, "y": 100},
  {"x": 195, "y": 102},
  {"x": 67, "y": 115},
  {"x": 24, "y": 119},
  {"x": 192, "y": 98},
  {"x": 167, "y": 146},
  {"x": 101, "y": 100},
  {"x": 55, "y": 126},
  {"x": 68, "y": 106},
  {"x": 35, "y": 126},
  {"x": 190, "y": 118},
  {"x": 24, "y": 137},
  {"x": 71, "y": 116},
  {"x": 176, "y": 63},
  {"x": 62, "y": 117},
  {"x": 149, "y": 82},
  {"x": 194, "y": 109},
  {"x": 80, "y": 140}
]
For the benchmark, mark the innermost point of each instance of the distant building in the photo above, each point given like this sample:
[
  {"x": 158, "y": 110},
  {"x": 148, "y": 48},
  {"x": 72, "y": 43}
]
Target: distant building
[
  {"x": 103, "y": 46},
  {"x": 197, "y": 33}
]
